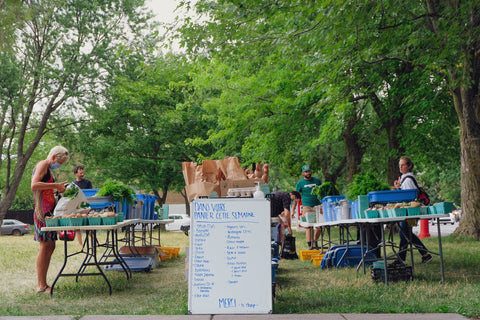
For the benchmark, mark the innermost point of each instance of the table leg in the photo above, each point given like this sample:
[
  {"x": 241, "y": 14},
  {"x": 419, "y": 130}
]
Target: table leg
[
  {"x": 384, "y": 254},
  {"x": 65, "y": 246},
  {"x": 440, "y": 251},
  {"x": 94, "y": 254}
]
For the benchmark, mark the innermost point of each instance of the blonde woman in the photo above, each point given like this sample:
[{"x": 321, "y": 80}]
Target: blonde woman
[{"x": 43, "y": 186}]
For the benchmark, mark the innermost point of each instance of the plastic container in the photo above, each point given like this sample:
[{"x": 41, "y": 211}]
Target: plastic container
[
  {"x": 444, "y": 207},
  {"x": 135, "y": 264},
  {"x": 393, "y": 196},
  {"x": 400, "y": 212},
  {"x": 120, "y": 217},
  {"x": 371, "y": 214},
  {"x": 311, "y": 217},
  {"x": 317, "y": 259},
  {"x": 354, "y": 209},
  {"x": 383, "y": 213},
  {"x": 51, "y": 222},
  {"x": 94, "y": 221},
  {"x": 413, "y": 211},
  {"x": 320, "y": 217},
  {"x": 306, "y": 255},
  {"x": 108, "y": 221},
  {"x": 432, "y": 210},
  {"x": 345, "y": 205}
]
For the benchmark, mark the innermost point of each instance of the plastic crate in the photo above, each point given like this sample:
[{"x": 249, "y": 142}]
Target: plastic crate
[
  {"x": 108, "y": 221},
  {"x": 53, "y": 222},
  {"x": 400, "y": 212},
  {"x": 90, "y": 192},
  {"x": 135, "y": 264},
  {"x": 317, "y": 259},
  {"x": 371, "y": 214},
  {"x": 383, "y": 213},
  {"x": 169, "y": 252},
  {"x": 444, "y": 207},
  {"x": 432, "y": 210},
  {"x": 413, "y": 211},
  {"x": 74, "y": 222},
  {"x": 306, "y": 255},
  {"x": 393, "y": 196},
  {"x": 94, "y": 221},
  {"x": 396, "y": 271}
]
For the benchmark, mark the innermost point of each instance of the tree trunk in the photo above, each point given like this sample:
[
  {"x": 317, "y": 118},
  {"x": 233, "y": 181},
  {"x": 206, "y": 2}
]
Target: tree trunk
[
  {"x": 353, "y": 151},
  {"x": 468, "y": 108}
]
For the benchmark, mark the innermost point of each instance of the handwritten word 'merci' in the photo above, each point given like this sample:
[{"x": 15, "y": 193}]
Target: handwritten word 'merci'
[{"x": 227, "y": 303}]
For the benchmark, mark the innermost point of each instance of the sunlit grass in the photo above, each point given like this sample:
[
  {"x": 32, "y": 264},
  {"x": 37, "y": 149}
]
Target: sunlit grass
[{"x": 300, "y": 287}]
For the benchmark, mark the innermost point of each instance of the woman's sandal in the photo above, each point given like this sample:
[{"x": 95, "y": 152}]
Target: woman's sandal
[{"x": 43, "y": 290}]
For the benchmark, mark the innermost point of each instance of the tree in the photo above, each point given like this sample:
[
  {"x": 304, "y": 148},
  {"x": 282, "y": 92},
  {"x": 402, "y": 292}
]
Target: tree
[
  {"x": 140, "y": 134},
  {"x": 387, "y": 65},
  {"x": 59, "y": 64}
]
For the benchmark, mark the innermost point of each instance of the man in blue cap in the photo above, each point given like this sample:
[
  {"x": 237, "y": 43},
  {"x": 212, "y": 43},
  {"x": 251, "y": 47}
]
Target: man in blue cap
[{"x": 309, "y": 201}]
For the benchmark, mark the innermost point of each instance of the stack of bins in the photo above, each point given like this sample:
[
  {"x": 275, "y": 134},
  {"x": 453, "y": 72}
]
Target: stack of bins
[{"x": 329, "y": 203}]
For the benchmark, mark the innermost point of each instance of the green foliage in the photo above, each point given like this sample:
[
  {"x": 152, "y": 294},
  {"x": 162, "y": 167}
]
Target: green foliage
[
  {"x": 364, "y": 183},
  {"x": 117, "y": 191},
  {"x": 325, "y": 189},
  {"x": 71, "y": 191}
]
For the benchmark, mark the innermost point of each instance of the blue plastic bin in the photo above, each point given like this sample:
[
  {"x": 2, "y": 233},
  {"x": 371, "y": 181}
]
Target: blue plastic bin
[
  {"x": 393, "y": 196},
  {"x": 329, "y": 203}
]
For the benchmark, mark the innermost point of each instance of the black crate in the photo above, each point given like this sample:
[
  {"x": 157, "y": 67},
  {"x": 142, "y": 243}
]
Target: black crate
[{"x": 396, "y": 271}]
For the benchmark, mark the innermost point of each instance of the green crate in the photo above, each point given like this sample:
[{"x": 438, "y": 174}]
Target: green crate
[
  {"x": 423, "y": 210},
  {"x": 400, "y": 212},
  {"x": 120, "y": 217},
  {"x": 383, "y": 213},
  {"x": 108, "y": 221},
  {"x": 432, "y": 210},
  {"x": 62, "y": 222},
  {"x": 52, "y": 222},
  {"x": 413, "y": 211},
  {"x": 444, "y": 207},
  {"x": 94, "y": 221},
  {"x": 371, "y": 214}
]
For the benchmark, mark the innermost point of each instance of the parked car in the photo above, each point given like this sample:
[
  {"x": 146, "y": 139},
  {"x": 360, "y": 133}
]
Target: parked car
[
  {"x": 14, "y": 227},
  {"x": 179, "y": 220}
]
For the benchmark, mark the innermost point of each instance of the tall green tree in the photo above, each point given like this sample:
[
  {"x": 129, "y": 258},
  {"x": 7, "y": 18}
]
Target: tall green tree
[
  {"x": 140, "y": 136},
  {"x": 61, "y": 60},
  {"x": 371, "y": 61}
]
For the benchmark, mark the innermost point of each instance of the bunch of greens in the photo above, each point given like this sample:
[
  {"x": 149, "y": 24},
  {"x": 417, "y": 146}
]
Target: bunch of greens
[
  {"x": 325, "y": 189},
  {"x": 117, "y": 191},
  {"x": 362, "y": 184},
  {"x": 71, "y": 191}
]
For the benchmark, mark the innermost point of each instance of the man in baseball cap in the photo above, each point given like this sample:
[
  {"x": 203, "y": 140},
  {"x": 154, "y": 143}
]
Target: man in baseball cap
[{"x": 309, "y": 201}]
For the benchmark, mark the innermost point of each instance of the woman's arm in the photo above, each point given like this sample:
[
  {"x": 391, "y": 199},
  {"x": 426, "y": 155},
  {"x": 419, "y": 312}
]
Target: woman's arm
[{"x": 37, "y": 184}]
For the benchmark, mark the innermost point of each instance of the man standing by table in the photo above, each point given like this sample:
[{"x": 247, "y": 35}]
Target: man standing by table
[
  {"x": 81, "y": 182},
  {"x": 309, "y": 201}
]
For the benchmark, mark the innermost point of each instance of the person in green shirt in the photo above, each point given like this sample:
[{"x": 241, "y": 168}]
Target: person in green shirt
[{"x": 309, "y": 202}]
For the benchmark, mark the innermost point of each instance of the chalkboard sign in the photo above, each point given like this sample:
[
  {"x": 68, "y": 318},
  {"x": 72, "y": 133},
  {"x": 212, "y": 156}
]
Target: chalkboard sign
[{"x": 230, "y": 257}]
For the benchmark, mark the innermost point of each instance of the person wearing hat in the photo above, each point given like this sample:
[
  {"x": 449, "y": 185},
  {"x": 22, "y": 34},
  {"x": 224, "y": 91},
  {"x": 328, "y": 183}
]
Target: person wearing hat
[{"x": 309, "y": 201}]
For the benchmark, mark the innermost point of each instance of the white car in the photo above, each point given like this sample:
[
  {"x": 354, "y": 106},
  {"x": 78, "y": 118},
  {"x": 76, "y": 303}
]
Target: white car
[{"x": 179, "y": 220}]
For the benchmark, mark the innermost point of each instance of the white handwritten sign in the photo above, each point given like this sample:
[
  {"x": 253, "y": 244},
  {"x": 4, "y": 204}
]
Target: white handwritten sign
[{"x": 230, "y": 257}]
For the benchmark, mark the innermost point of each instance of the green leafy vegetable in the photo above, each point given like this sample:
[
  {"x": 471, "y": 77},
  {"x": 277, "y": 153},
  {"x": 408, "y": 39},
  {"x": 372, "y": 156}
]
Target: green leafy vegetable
[
  {"x": 325, "y": 189},
  {"x": 71, "y": 191},
  {"x": 362, "y": 184},
  {"x": 117, "y": 191}
]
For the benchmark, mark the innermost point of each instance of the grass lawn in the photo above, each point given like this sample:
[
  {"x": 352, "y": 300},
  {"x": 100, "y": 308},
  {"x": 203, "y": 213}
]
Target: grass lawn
[{"x": 301, "y": 287}]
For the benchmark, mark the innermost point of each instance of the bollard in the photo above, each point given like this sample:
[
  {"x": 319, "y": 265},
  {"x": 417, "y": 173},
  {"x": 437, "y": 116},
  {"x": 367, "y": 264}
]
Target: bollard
[{"x": 424, "y": 229}]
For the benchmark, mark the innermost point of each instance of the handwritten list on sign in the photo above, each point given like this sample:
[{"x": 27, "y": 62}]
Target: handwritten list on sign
[{"x": 230, "y": 256}]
